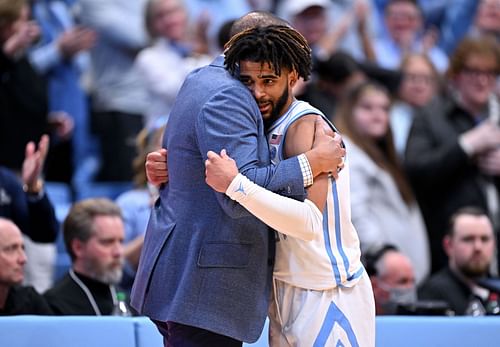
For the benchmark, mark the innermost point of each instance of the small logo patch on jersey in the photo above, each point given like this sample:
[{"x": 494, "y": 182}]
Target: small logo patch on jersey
[{"x": 275, "y": 139}]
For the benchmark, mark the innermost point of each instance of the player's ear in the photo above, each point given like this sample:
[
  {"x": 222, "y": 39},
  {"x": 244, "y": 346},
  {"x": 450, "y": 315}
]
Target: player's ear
[{"x": 293, "y": 78}]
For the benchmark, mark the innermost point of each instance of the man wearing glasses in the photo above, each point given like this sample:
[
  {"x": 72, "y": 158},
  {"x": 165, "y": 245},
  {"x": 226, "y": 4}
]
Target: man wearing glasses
[{"x": 453, "y": 152}]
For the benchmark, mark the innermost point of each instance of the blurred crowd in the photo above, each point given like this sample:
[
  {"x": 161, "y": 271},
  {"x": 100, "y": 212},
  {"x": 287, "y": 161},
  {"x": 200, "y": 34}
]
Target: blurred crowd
[{"x": 86, "y": 87}]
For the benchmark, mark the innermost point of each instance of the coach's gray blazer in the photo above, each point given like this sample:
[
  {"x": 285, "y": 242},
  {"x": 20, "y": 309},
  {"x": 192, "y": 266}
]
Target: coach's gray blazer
[{"x": 206, "y": 262}]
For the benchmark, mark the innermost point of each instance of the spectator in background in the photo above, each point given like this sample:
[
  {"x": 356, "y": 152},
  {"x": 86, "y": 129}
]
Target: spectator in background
[
  {"x": 93, "y": 235},
  {"x": 470, "y": 246},
  {"x": 355, "y": 20},
  {"x": 487, "y": 20},
  {"x": 392, "y": 277},
  {"x": 224, "y": 35},
  {"x": 172, "y": 56},
  {"x": 384, "y": 209},
  {"x": 332, "y": 79},
  {"x": 14, "y": 298},
  {"x": 449, "y": 19},
  {"x": 405, "y": 34},
  {"x": 453, "y": 150},
  {"x": 213, "y": 14},
  {"x": 311, "y": 19},
  {"x": 136, "y": 204},
  {"x": 119, "y": 99},
  {"x": 23, "y": 98},
  {"x": 25, "y": 202},
  {"x": 61, "y": 55},
  {"x": 419, "y": 84}
]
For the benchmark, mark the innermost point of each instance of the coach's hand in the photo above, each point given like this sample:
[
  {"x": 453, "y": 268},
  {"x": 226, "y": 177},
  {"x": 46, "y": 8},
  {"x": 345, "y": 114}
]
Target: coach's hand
[
  {"x": 156, "y": 167},
  {"x": 327, "y": 155}
]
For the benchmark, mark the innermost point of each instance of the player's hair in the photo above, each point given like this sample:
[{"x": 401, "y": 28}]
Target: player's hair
[{"x": 279, "y": 45}]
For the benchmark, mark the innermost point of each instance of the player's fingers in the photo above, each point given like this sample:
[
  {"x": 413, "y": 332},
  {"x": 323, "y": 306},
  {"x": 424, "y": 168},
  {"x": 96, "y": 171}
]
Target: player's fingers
[{"x": 212, "y": 155}]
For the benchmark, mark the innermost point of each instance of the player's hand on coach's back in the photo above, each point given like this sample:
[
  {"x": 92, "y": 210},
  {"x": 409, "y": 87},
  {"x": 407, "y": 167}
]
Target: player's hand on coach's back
[{"x": 220, "y": 170}]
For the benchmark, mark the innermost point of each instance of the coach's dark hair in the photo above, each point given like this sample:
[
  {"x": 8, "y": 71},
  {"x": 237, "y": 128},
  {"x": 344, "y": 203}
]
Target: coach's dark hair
[{"x": 279, "y": 45}]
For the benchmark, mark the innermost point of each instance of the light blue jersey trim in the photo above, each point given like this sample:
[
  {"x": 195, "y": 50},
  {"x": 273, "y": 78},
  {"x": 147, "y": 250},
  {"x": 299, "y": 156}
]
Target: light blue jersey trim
[
  {"x": 283, "y": 118},
  {"x": 335, "y": 315},
  {"x": 338, "y": 231},
  {"x": 291, "y": 121},
  {"x": 328, "y": 247}
]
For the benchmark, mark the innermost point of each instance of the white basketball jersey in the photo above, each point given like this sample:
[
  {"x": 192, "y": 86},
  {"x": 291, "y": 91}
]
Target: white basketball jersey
[{"x": 332, "y": 258}]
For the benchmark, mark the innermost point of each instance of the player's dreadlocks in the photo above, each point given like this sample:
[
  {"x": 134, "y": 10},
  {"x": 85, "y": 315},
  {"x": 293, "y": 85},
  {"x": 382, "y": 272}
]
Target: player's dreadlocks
[{"x": 279, "y": 45}]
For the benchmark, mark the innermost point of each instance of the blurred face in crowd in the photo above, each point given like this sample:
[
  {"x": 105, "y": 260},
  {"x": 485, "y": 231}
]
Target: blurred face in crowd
[
  {"x": 312, "y": 23},
  {"x": 477, "y": 80},
  {"x": 371, "y": 114},
  {"x": 12, "y": 256},
  {"x": 488, "y": 16},
  {"x": 395, "y": 282},
  {"x": 403, "y": 21},
  {"x": 273, "y": 93},
  {"x": 101, "y": 256},
  {"x": 15, "y": 26},
  {"x": 471, "y": 247},
  {"x": 419, "y": 83},
  {"x": 169, "y": 19}
]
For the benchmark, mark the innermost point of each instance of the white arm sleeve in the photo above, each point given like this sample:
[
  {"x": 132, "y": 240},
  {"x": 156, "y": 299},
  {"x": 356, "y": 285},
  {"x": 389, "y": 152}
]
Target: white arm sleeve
[{"x": 288, "y": 216}]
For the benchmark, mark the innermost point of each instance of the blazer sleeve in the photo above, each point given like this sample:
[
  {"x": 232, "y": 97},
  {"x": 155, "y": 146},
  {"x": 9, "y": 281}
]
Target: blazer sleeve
[{"x": 232, "y": 121}]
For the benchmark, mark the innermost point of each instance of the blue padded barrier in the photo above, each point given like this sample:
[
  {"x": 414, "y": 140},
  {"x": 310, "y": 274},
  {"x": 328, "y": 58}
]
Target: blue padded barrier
[
  {"x": 86, "y": 331},
  {"x": 146, "y": 333},
  {"x": 420, "y": 331},
  {"x": 66, "y": 331}
]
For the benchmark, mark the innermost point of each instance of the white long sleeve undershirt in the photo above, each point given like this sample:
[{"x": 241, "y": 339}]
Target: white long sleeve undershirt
[{"x": 288, "y": 216}]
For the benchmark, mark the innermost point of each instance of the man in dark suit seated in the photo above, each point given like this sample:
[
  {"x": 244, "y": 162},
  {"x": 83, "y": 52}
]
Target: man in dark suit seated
[
  {"x": 93, "y": 236},
  {"x": 470, "y": 246},
  {"x": 16, "y": 299}
]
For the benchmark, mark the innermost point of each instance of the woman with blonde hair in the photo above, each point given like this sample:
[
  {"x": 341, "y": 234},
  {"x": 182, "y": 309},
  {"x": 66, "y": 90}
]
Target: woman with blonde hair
[{"x": 384, "y": 210}]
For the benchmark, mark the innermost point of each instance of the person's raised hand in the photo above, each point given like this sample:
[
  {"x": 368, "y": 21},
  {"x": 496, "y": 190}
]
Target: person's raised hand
[
  {"x": 489, "y": 162},
  {"x": 480, "y": 139},
  {"x": 34, "y": 160}
]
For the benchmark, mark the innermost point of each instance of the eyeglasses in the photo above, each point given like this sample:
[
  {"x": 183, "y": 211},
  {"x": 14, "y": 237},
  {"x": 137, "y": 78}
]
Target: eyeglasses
[
  {"x": 474, "y": 72},
  {"x": 400, "y": 16},
  {"x": 416, "y": 78}
]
